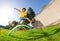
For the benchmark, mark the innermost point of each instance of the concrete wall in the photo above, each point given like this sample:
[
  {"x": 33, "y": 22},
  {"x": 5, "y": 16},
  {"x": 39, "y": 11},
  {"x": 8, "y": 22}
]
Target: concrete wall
[{"x": 50, "y": 14}]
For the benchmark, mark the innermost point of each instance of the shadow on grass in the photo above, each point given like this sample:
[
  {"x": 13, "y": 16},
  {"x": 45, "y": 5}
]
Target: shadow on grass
[
  {"x": 45, "y": 34},
  {"x": 57, "y": 30}
]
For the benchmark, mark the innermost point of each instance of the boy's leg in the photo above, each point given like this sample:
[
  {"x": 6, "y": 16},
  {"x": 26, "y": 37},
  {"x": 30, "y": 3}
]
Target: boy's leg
[{"x": 20, "y": 21}]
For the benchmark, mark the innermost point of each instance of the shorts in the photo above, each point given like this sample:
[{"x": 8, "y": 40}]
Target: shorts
[{"x": 22, "y": 18}]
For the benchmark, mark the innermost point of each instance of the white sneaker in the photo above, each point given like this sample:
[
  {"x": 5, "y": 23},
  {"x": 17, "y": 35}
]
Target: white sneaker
[
  {"x": 21, "y": 21},
  {"x": 30, "y": 24}
]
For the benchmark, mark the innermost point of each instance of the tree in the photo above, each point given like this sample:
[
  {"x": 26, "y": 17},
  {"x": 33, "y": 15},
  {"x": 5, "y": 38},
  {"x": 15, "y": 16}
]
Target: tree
[
  {"x": 30, "y": 15},
  {"x": 12, "y": 24}
]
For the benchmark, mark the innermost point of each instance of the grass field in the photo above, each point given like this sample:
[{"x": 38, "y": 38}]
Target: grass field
[{"x": 50, "y": 33}]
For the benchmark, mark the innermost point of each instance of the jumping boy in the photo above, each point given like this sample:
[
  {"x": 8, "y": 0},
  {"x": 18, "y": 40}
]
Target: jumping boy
[{"x": 22, "y": 16}]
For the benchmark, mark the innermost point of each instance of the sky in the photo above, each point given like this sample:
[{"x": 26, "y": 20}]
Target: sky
[{"x": 7, "y": 12}]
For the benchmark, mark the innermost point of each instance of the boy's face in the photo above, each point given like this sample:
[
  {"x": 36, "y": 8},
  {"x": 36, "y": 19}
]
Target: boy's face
[{"x": 23, "y": 10}]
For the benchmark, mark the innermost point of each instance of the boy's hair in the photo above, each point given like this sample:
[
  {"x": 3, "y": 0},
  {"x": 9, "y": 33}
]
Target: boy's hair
[{"x": 24, "y": 9}]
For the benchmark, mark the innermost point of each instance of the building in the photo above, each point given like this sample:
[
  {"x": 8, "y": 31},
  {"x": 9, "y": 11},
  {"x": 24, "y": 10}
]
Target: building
[{"x": 50, "y": 14}]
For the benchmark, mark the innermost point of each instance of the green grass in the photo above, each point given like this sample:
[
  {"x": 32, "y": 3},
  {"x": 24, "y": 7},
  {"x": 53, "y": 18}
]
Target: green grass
[{"x": 50, "y": 33}]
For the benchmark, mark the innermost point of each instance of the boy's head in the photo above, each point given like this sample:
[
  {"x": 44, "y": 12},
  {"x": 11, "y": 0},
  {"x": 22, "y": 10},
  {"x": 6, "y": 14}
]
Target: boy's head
[{"x": 23, "y": 9}]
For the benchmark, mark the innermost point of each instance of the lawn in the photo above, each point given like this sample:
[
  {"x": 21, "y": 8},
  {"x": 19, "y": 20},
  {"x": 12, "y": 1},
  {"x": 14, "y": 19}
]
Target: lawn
[{"x": 49, "y": 33}]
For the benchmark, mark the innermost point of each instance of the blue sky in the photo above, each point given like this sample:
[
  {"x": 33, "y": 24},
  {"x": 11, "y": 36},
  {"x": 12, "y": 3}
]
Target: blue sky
[
  {"x": 35, "y": 4},
  {"x": 6, "y": 8}
]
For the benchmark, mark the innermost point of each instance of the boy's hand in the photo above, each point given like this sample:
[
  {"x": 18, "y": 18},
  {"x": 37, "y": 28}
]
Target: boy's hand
[{"x": 17, "y": 9}]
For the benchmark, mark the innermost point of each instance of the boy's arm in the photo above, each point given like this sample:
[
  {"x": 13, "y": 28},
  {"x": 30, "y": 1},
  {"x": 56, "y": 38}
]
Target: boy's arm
[
  {"x": 17, "y": 9},
  {"x": 29, "y": 20}
]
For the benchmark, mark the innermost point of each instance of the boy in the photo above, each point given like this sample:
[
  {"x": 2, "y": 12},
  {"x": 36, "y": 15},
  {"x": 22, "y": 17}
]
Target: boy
[{"x": 22, "y": 14}]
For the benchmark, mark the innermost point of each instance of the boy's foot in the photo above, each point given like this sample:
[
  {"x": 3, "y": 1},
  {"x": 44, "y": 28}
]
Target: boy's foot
[{"x": 30, "y": 25}]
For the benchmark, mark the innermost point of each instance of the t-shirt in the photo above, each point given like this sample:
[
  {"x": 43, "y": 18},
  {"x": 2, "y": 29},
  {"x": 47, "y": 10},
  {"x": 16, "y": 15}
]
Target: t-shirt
[{"x": 22, "y": 14}]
